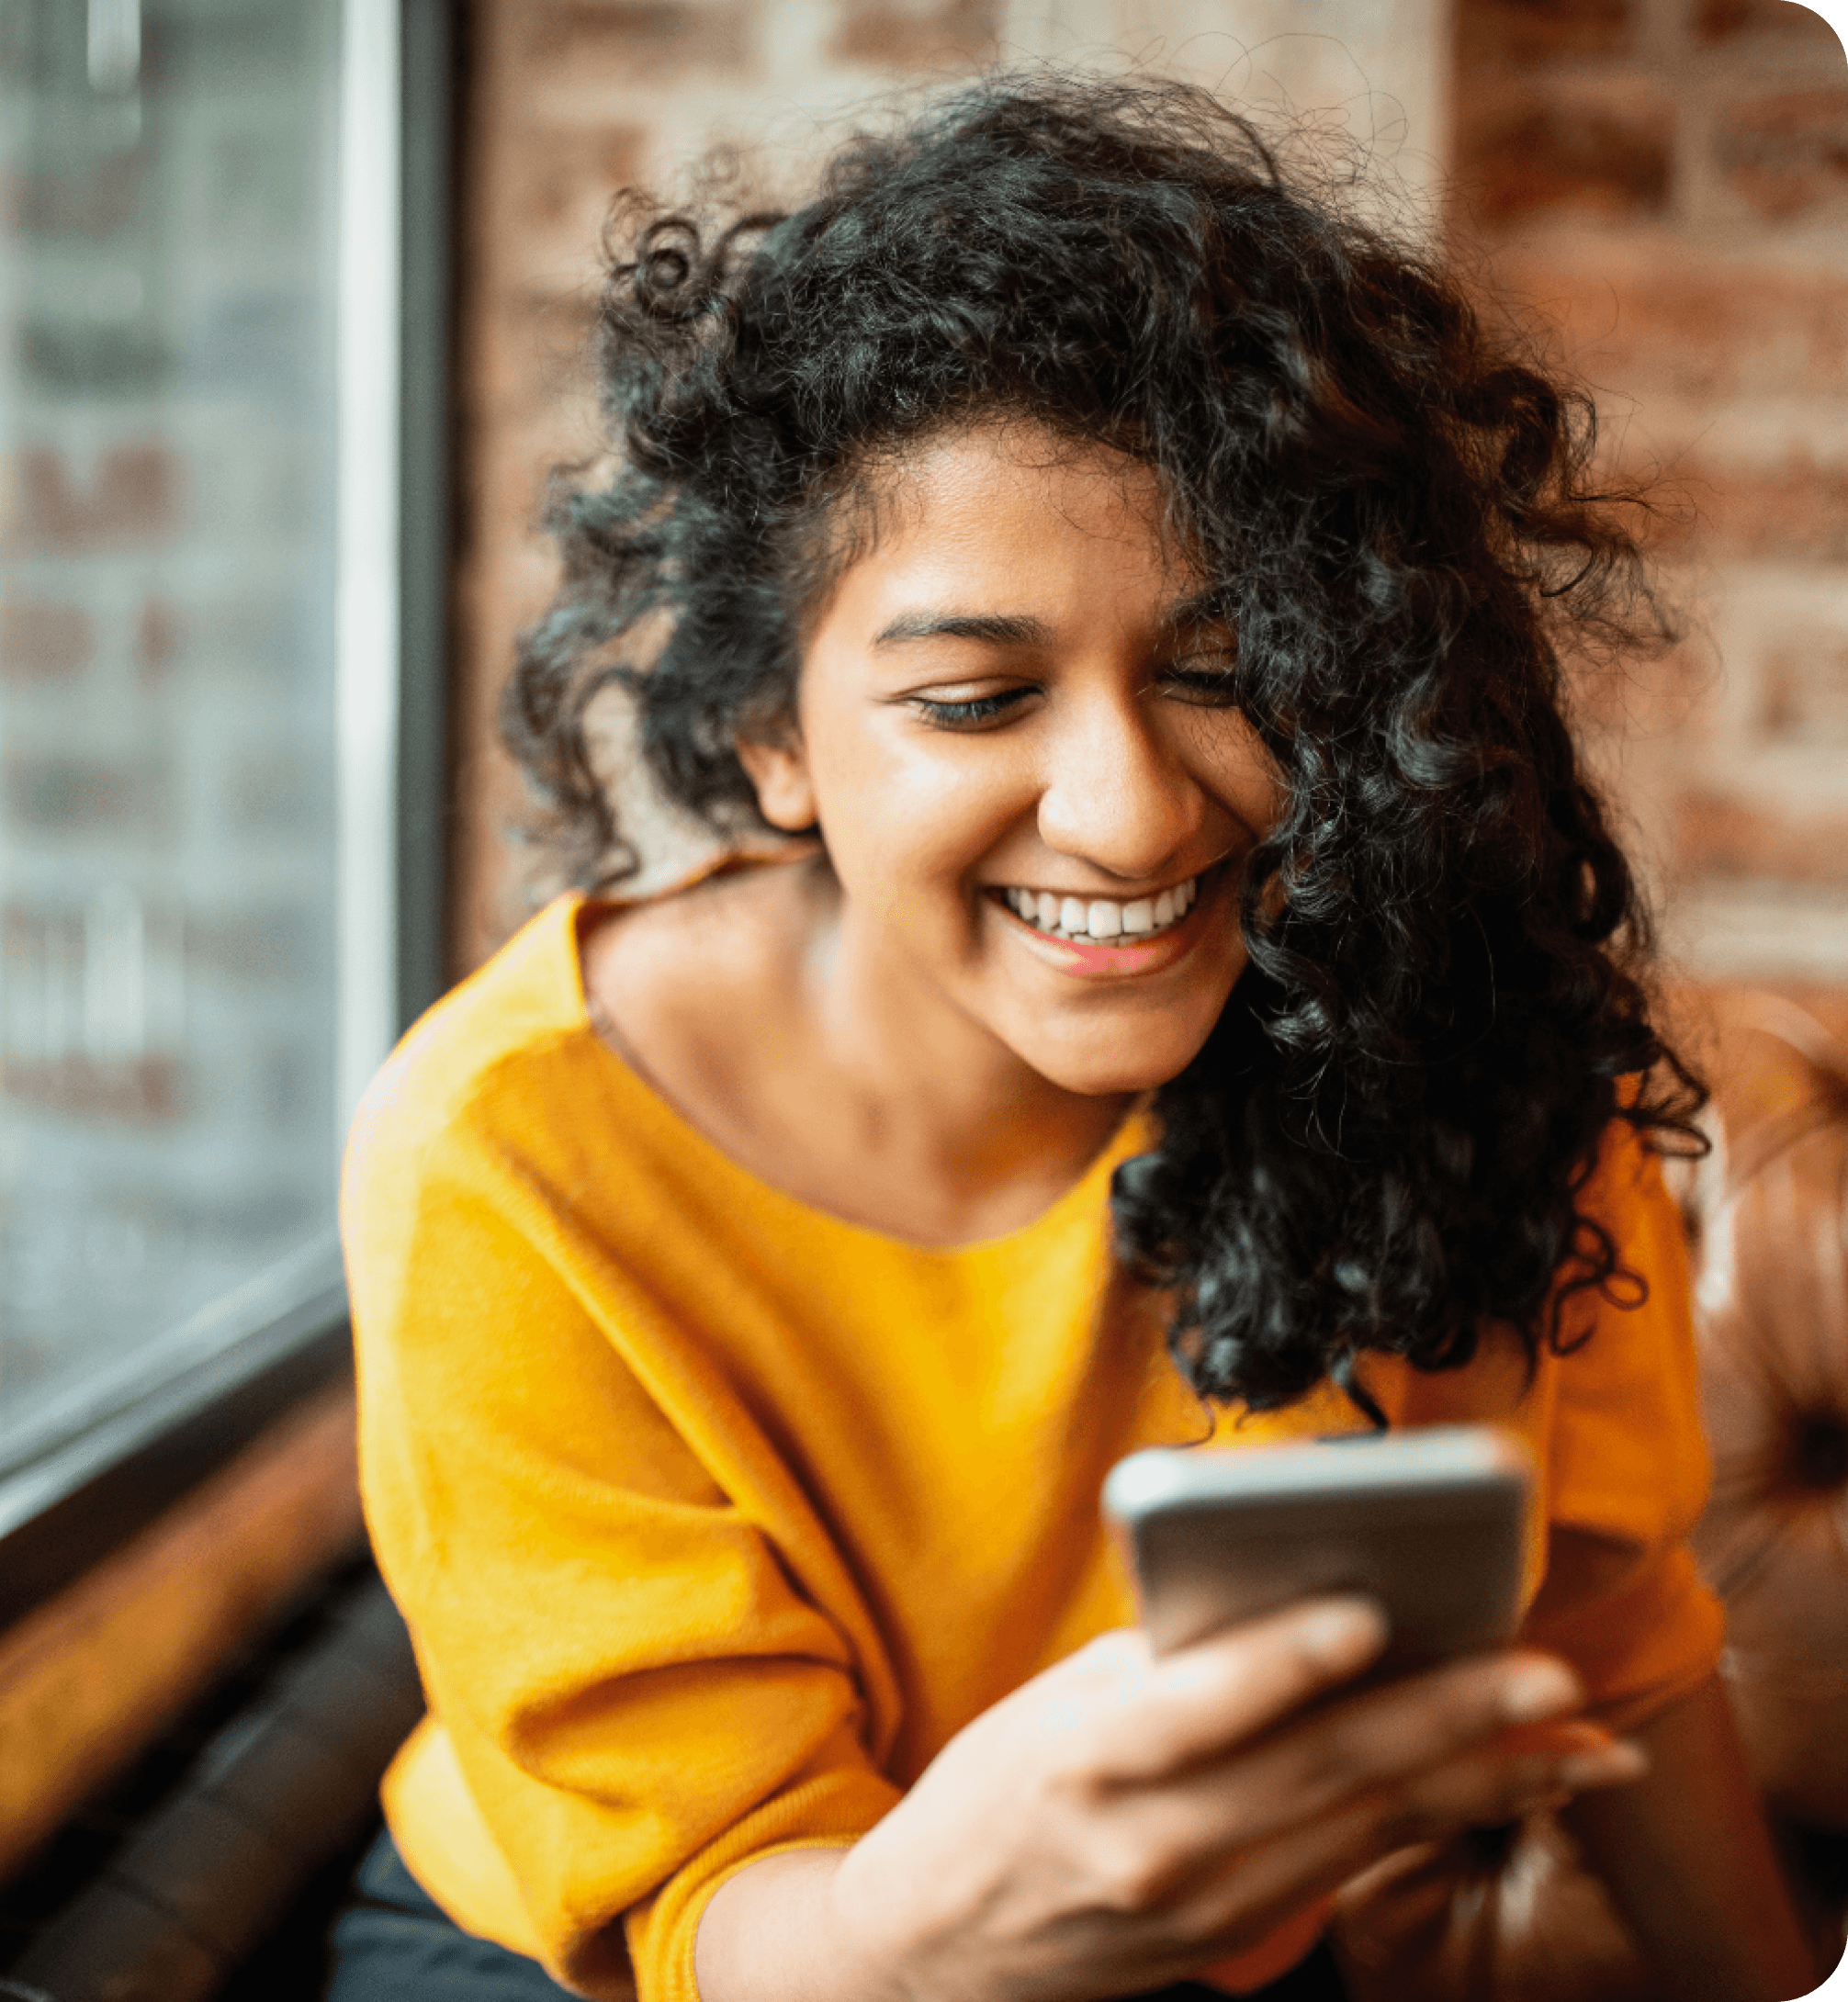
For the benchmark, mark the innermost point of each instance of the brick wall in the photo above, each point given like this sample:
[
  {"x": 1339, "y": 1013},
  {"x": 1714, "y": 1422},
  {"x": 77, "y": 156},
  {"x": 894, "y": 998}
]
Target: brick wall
[
  {"x": 1666, "y": 182},
  {"x": 1665, "y": 179}
]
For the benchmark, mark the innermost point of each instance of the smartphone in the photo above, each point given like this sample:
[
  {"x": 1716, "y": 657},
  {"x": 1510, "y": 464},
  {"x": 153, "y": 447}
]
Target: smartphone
[{"x": 1429, "y": 1523}]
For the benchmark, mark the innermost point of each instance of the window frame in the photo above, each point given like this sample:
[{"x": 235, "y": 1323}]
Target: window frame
[{"x": 64, "y": 1510}]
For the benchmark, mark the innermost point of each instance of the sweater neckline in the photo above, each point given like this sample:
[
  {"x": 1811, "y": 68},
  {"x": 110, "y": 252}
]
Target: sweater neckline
[{"x": 1132, "y": 1136}]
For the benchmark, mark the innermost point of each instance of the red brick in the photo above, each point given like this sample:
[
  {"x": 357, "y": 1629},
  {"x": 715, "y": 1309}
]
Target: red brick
[
  {"x": 633, "y": 37},
  {"x": 1653, "y": 695},
  {"x": 99, "y": 199},
  {"x": 532, "y": 371},
  {"x": 142, "y": 1090},
  {"x": 1782, "y": 21},
  {"x": 899, "y": 37},
  {"x": 1526, "y": 152},
  {"x": 1662, "y": 318},
  {"x": 1787, "y": 152},
  {"x": 1718, "y": 833},
  {"x": 1797, "y": 511},
  {"x": 558, "y": 197},
  {"x": 569, "y": 177},
  {"x": 42, "y": 642},
  {"x": 1508, "y": 32},
  {"x": 1805, "y": 682},
  {"x": 157, "y": 638},
  {"x": 134, "y": 498}
]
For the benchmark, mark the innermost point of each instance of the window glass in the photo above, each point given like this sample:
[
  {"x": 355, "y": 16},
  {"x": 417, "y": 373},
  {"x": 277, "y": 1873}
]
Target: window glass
[{"x": 167, "y": 776}]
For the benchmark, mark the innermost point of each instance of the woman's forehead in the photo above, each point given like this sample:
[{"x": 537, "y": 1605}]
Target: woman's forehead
[
  {"x": 1012, "y": 449},
  {"x": 978, "y": 489},
  {"x": 1000, "y": 540}
]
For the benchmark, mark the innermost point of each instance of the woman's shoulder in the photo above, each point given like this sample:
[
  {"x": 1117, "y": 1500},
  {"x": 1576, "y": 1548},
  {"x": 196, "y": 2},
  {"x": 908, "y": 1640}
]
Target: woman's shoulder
[
  {"x": 1624, "y": 1188},
  {"x": 697, "y": 951},
  {"x": 669, "y": 984},
  {"x": 569, "y": 1032},
  {"x": 502, "y": 1027}
]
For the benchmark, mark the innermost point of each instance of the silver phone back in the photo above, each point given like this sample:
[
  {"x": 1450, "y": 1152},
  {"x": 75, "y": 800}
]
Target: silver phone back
[{"x": 1429, "y": 1523}]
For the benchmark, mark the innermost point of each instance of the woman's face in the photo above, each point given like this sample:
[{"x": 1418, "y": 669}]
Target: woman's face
[{"x": 1013, "y": 731}]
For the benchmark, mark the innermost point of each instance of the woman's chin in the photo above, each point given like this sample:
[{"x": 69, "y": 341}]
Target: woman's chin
[
  {"x": 1125, "y": 1047},
  {"x": 1111, "y": 1072}
]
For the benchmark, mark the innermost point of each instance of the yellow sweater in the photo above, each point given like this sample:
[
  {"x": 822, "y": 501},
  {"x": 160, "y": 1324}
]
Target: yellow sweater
[{"x": 714, "y": 1517}]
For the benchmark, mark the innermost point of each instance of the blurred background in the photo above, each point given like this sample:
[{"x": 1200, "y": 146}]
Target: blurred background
[{"x": 168, "y": 987}]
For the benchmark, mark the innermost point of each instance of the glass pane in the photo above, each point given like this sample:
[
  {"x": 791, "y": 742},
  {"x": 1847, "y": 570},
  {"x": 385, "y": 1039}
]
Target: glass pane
[{"x": 167, "y": 796}]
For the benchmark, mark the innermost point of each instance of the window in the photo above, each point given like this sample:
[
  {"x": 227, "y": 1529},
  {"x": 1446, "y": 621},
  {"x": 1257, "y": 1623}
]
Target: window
[{"x": 203, "y": 779}]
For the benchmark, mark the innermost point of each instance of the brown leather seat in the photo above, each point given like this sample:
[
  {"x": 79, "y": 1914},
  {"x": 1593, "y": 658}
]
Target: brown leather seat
[
  {"x": 1512, "y": 1914},
  {"x": 1769, "y": 1222}
]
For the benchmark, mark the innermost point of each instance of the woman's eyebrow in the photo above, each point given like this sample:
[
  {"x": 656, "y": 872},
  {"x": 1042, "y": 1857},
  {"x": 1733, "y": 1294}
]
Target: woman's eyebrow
[{"x": 997, "y": 629}]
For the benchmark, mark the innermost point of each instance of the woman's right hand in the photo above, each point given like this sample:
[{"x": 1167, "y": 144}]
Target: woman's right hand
[{"x": 1123, "y": 1820}]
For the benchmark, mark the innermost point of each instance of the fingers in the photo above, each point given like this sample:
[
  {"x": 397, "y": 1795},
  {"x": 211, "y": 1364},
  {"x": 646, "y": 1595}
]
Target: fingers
[
  {"x": 1205, "y": 1784},
  {"x": 1178, "y": 1711},
  {"x": 1387, "y": 1766},
  {"x": 1149, "y": 1719},
  {"x": 1495, "y": 1784},
  {"x": 1255, "y": 1883},
  {"x": 1382, "y": 1737},
  {"x": 1574, "y": 1758}
]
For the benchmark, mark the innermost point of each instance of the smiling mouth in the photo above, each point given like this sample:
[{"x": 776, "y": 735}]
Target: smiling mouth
[{"x": 1102, "y": 920}]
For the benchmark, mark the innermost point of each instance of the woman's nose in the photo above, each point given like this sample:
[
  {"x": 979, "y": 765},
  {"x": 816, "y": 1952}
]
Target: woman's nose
[{"x": 1116, "y": 795}]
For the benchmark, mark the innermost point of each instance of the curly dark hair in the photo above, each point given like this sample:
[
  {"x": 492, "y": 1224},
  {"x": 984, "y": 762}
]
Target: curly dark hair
[{"x": 1381, "y": 1144}]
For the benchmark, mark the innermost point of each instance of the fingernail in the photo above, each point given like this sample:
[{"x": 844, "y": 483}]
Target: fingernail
[
  {"x": 1615, "y": 1766},
  {"x": 1543, "y": 1690},
  {"x": 1346, "y": 1634}
]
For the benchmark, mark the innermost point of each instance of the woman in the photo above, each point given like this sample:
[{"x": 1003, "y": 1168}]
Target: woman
[{"x": 1198, "y": 994}]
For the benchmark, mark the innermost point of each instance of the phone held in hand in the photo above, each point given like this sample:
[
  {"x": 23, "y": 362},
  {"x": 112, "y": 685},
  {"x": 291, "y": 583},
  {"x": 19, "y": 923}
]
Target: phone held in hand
[{"x": 1429, "y": 1523}]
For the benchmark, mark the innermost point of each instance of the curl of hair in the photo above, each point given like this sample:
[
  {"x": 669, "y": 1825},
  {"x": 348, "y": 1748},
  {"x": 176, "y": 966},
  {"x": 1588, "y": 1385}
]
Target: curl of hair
[{"x": 1380, "y": 1146}]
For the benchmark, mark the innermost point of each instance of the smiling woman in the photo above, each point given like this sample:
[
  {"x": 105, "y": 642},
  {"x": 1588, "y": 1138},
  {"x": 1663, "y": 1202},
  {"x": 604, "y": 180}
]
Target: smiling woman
[{"x": 1197, "y": 995}]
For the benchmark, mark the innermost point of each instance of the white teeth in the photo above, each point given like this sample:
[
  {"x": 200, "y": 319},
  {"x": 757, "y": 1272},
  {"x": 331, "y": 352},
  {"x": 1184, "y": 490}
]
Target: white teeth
[{"x": 1102, "y": 916}]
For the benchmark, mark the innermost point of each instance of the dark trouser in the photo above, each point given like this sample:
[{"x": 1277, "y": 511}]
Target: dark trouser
[{"x": 392, "y": 1944}]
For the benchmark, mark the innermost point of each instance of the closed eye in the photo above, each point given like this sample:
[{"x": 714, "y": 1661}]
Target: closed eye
[
  {"x": 1209, "y": 688},
  {"x": 971, "y": 714}
]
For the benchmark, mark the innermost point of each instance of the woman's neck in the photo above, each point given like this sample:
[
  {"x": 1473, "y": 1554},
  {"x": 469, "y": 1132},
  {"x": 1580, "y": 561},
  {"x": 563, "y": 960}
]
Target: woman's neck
[{"x": 781, "y": 1029}]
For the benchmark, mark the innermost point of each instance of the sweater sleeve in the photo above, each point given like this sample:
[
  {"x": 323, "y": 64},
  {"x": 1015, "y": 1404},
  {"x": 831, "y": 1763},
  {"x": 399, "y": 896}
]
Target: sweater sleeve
[
  {"x": 636, "y": 1694},
  {"x": 1626, "y": 1463}
]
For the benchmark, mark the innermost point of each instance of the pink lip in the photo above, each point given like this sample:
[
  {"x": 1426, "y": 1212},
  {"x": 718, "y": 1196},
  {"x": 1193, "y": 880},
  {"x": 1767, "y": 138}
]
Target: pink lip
[{"x": 1109, "y": 961}]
